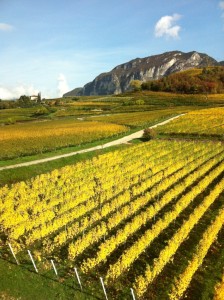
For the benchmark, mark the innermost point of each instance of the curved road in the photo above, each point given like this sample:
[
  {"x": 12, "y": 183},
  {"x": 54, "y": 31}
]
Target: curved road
[{"x": 123, "y": 140}]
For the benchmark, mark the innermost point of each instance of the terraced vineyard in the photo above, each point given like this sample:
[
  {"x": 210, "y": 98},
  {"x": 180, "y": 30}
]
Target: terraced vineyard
[{"x": 127, "y": 216}]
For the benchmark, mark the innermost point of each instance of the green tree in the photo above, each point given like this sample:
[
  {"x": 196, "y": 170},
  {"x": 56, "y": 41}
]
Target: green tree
[
  {"x": 149, "y": 134},
  {"x": 140, "y": 102},
  {"x": 135, "y": 85},
  {"x": 41, "y": 111},
  {"x": 24, "y": 101},
  {"x": 146, "y": 85},
  {"x": 39, "y": 98}
]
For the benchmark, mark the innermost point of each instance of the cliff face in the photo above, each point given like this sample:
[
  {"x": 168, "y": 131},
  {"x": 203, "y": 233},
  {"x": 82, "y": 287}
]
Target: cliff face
[{"x": 153, "y": 67}]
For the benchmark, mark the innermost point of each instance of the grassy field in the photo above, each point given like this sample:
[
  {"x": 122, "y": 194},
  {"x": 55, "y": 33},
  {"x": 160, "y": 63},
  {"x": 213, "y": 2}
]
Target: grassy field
[
  {"x": 18, "y": 282},
  {"x": 11, "y": 116}
]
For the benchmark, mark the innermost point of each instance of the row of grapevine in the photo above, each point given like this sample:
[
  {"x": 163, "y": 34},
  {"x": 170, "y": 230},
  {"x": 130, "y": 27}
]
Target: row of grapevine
[
  {"x": 142, "y": 281},
  {"x": 205, "y": 243},
  {"x": 37, "y": 137},
  {"x": 131, "y": 254},
  {"x": 107, "y": 247},
  {"x": 200, "y": 122},
  {"x": 35, "y": 204},
  {"x": 104, "y": 215},
  {"x": 26, "y": 201},
  {"x": 219, "y": 290},
  {"x": 83, "y": 242},
  {"x": 100, "y": 204}
]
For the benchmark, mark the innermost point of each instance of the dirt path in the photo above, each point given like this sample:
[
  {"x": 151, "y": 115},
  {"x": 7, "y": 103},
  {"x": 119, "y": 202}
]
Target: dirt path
[{"x": 123, "y": 140}]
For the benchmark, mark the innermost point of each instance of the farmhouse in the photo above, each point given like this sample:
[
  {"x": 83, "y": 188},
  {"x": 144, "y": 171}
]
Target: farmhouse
[{"x": 36, "y": 98}]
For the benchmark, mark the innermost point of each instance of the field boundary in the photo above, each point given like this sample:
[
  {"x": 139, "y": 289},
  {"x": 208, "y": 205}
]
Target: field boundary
[{"x": 119, "y": 141}]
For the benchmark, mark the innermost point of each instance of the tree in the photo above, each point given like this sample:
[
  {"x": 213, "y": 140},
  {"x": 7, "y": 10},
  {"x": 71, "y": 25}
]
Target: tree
[
  {"x": 135, "y": 85},
  {"x": 140, "y": 102},
  {"x": 146, "y": 85},
  {"x": 39, "y": 98},
  {"x": 57, "y": 102},
  {"x": 41, "y": 111},
  {"x": 149, "y": 134},
  {"x": 24, "y": 101}
]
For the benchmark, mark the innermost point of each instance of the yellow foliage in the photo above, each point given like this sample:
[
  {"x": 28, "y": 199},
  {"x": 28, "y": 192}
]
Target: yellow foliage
[
  {"x": 199, "y": 122},
  {"x": 37, "y": 137},
  {"x": 219, "y": 290}
]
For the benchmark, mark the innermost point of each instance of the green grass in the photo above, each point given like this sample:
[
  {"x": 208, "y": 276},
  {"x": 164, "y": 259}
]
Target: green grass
[
  {"x": 17, "y": 282},
  {"x": 14, "y": 115}
]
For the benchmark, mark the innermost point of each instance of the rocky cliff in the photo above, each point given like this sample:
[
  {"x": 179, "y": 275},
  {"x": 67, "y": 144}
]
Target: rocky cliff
[{"x": 153, "y": 67}]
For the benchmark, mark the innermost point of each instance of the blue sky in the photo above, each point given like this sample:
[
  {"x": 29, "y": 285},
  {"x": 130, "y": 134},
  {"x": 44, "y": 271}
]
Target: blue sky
[{"x": 53, "y": 46}]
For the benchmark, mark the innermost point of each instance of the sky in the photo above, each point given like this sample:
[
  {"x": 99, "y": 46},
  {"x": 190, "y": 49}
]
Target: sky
[{"x": 53, "y": 46}]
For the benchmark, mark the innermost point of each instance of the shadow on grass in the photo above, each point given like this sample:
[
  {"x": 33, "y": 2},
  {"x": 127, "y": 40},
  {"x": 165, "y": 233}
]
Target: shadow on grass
[{"x": 43, "y": 278}]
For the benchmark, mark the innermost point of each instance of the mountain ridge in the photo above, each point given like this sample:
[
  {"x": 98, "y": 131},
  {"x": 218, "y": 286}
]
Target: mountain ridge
[{"x": 148, "y": 68}]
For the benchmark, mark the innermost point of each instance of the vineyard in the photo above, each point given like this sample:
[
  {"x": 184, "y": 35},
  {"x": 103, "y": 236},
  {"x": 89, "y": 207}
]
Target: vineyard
[
  {"x": 24, "y": 139},
  {"x": 142, "y": 118},
  {"x": 128, "y": 216},
  {"x": 37, "y": 137},
  {"x": 204, "y": 123}
]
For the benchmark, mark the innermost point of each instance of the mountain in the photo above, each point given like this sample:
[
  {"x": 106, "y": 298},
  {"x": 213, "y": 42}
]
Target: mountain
[
  {"x": 149, "y": 68},
  {"x": 76, "y": 92}
]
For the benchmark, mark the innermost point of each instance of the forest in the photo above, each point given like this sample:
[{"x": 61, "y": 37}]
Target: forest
[{"x": 193, "y": 81}]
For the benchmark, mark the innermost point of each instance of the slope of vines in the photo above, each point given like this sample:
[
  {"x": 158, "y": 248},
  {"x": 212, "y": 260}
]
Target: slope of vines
[{"x": 104, "y": 214}]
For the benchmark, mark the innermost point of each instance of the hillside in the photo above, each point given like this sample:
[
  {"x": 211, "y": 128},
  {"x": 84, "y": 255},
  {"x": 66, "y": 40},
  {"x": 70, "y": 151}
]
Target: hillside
[
  {"x": 149, "y": 68},
  {"x": 206, "y": 80}
]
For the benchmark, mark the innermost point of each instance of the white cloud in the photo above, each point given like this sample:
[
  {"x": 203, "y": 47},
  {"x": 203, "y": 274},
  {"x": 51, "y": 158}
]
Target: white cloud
[
  {"x": 62, "y": 85},
  {"x": 166, "y": 26},
  {"x": 6, "y": 27},
  {"x": 221, "y": 4},
  {"x": 16, "y": 92}
]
